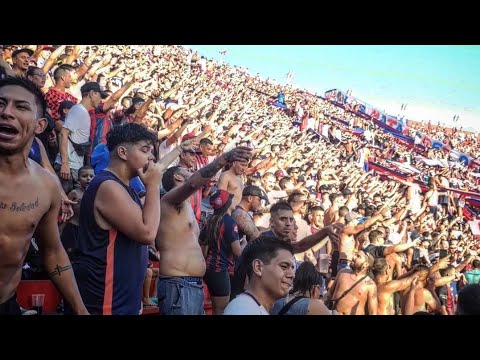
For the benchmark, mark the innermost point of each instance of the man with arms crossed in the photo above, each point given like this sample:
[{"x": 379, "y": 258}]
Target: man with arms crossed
[
  {"x": 182, "y": 265},
  {"x": 29, "y": 198}
]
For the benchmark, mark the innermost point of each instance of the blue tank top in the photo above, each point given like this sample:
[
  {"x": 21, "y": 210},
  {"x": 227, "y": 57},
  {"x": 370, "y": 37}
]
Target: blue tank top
[
  {"x": 299, "y": 308},
  {"x": 34, "y": 153},
  {"x": 110, "y": 268}
]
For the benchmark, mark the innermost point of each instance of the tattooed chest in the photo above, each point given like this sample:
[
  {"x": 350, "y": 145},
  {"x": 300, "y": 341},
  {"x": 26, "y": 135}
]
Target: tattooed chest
[{"x": 20, "y": 215}]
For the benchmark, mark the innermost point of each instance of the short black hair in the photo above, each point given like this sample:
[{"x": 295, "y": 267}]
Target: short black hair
[
  {"x": 31, "y": 87},
  {"x": 61, "y": 71},
  {"x": 84, "y": 168},
  {"x": 264, "y": 248},
  {"x": 129, "y": 133},
  {"x": 281, "y": 205},
  {"x": 206, "y": 141},
  {"x": 168, "y": 181}
]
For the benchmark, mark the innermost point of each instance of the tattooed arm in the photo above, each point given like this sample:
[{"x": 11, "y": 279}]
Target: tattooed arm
[
  {"x": 246, "y": 225},
  {"x": 55, "y": 257},
  {"x": 201, "y": 177}
]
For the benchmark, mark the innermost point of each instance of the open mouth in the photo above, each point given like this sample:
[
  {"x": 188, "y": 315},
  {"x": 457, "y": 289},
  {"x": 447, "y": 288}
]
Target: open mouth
[{"x": 8, "y": 130}]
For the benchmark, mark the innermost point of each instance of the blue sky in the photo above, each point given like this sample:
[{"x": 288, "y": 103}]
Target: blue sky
[{"x": 436, "y": 81}]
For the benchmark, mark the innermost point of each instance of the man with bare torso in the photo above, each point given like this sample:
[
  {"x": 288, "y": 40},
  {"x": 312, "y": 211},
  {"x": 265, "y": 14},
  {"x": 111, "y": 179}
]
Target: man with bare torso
[
  {"x": 353, "y": 291},
  {"x": 424, "y": 292},
  {"x": 231, "y": 181},
  {"x": 182, "y": 265},
  {"x": 386, "y": 287},
  {"x": 29, "y": 198},
  {"x": 347, "y": 243}
]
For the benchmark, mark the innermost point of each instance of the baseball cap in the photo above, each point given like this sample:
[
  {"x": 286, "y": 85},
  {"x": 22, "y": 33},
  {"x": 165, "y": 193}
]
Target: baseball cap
[
  {"x": 18, "y": 51},
  {"x": 188, "y": 136},
  {"x": 94, "y": 86},
  {"x": 219, "y": 199},
  {"x": 280, "y": 174},
  {"x": 253, "y": 190}
]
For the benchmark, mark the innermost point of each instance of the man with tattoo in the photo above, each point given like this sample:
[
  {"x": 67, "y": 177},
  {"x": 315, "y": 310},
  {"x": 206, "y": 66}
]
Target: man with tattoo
[
  {"x": 252, "y": 197},
  {"x": 29, "y": 197},
  {"x": 115, "y": 229},
  {"x": 182, "y": 265}
]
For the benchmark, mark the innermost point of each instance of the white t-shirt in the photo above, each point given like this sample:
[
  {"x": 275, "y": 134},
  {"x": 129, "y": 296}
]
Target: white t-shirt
[
  {"x": 244, "y": 305},
  {"x": 164, "y": 149},
  {"x": 78, "y": 122}
]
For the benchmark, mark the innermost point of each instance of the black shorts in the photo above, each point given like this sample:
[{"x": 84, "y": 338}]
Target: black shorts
[
  {"x": 218, "y": 283},
  {"x": 10, "y": 307}
]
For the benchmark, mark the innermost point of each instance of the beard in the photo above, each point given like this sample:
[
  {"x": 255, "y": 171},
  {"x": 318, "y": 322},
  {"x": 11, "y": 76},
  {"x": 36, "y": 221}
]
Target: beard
[{"x": 355, "y": 267}]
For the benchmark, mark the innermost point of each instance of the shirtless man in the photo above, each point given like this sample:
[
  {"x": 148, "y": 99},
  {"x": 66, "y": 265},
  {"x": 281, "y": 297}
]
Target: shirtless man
[
  {"x": 331, "y": 214},
  {"x": 361, "y": 295},
  {"x": 386, "y": 288},
  {"x": 424, "y": 292},
  {"x": 231, "y": 181},
  {"x": 29, "y": 198},
  {"x": 182, "y": 265},
  {"x": 347, "y": 243}
]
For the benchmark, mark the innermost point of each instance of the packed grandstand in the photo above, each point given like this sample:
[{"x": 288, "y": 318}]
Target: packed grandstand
[{"x": 380, "y": 213}]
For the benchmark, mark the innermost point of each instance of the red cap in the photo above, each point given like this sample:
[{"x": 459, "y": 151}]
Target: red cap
[
  {"x": 280, "y": 173},
  {"x": 219, "y": 199},
  {"x": 188, "y": 136}
]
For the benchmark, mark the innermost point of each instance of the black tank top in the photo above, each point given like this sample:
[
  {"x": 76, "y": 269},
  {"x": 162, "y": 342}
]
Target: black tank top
[{"x": 110, "y": 269}]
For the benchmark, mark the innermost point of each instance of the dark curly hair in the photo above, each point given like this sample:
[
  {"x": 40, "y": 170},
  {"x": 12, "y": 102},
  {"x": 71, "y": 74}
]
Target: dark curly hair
[
  {"x": 30, "y": 87},
  {"x": 129, "y": 133}
]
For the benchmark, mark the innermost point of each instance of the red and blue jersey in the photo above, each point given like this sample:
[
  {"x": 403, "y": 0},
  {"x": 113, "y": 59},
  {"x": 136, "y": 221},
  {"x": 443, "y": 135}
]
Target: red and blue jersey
[
  {"x": 100, "y": 125},
  {"x": 220, "y": 257}
]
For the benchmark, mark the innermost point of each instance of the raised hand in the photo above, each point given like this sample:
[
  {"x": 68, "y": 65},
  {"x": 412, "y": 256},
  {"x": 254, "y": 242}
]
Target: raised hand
[
  {"x": 241, "y": 153},
  {"x": 151, "y": 175}
]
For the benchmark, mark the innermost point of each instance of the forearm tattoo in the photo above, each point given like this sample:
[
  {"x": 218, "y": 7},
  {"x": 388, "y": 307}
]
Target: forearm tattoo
[
  {"x": 211, "y": 169},
  {"x": 59, "y": 269}
]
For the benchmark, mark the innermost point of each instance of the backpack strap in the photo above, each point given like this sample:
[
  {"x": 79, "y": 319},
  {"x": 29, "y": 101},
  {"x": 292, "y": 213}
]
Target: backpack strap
[
  {"x": 335, "y": 302},
  {"x": 287, "y": 307}
]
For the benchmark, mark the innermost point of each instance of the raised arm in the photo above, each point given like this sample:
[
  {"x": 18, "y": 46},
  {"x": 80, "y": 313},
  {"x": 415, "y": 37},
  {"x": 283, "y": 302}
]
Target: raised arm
[
  {"x": 198, "y": 179},
  {"x": 307, "y": 242}
]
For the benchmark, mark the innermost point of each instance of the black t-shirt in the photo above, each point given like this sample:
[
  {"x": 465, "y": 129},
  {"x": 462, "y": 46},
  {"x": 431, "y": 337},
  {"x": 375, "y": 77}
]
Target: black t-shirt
[
  {"x": 375, "y": 250},
  {"x": 3, "y": 73}
]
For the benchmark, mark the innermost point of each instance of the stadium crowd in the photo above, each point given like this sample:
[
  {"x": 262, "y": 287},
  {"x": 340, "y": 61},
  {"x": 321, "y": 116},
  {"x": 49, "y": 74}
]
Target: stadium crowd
[{"x": 117, "y": 158}]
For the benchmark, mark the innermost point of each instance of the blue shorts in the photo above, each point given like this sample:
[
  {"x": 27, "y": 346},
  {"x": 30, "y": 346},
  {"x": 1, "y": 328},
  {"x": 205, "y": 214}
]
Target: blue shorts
[{"x": 180, "y": 295}]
